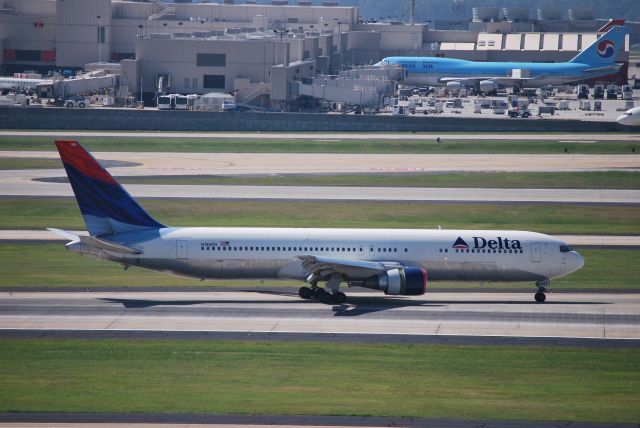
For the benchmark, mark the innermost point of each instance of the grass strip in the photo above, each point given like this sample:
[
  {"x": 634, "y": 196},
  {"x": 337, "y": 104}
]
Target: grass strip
[
  {"x": 436, "y": 381},
  {"x": 254, "y": 145},
  {"x": 503, "y": 180},
  {"x": 51, "y": 265},
  {"x": 22, "y": 163},
  {"x": 31, "y": 213}
]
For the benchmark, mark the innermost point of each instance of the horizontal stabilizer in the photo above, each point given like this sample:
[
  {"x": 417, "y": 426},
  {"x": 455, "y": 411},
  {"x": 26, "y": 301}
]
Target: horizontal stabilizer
[
  {"x": 613, "y": 68},
  {"x": 92, "y": 241},
  {"x": 67, "y": 235}
]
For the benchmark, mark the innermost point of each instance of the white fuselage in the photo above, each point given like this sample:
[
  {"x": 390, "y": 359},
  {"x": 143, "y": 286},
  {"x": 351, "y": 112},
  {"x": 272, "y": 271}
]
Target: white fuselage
[
  {"x": 15, "y": 82},
  {"x": 265, "y": 253},
  {"x": 630, "y": 117}
]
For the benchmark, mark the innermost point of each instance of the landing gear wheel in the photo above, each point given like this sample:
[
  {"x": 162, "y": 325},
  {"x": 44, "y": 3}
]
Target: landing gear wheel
[
  {"x": 318, "y": 292},
  {"x": 305, "y": 292},
  {"x": 325, "y": 297},
  {"x": 339, "y": 297},
  {"x": 540, "y": 297}
]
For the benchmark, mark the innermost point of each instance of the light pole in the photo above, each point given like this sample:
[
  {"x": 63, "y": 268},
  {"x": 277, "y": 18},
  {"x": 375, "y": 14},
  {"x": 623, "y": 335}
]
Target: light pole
[{"x": 99, "y": 39}]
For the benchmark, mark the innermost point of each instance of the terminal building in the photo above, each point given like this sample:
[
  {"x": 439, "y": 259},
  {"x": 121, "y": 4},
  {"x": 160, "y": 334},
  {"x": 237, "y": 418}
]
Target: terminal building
[{"x": 268, "y": 55}]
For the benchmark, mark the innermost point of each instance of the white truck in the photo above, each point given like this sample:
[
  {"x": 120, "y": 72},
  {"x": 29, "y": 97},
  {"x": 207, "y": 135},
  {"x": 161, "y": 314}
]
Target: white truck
[{"x": 80, "y": 102}]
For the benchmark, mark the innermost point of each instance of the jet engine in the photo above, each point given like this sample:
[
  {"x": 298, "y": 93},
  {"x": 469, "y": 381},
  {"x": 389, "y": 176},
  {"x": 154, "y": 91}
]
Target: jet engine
[
  {"x": 488, "y": 86},
  {"x": 406, "y": 281},
  {"x": 454, "y": 86}
]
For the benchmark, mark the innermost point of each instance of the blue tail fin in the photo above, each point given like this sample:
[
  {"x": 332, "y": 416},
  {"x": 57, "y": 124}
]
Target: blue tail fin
[
  {"x": 605, "y": 49},
  {"x": 105, "y": 206}
]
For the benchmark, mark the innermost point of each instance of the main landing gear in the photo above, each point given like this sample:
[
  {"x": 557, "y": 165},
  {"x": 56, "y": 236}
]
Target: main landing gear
[
  {"x": 330, "y": 294},
  {"x": 324, "y": 296},
  {"x": 542, "y": 287}
]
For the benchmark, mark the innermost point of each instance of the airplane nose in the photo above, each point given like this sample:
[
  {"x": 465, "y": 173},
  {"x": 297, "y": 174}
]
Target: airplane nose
[{"x": 578, "y": 261}]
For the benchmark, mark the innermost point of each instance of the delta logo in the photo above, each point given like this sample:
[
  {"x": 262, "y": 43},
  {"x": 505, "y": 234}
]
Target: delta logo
[
  {"x": 479, "y": 243},
  {"x": 606, "y": 48}
]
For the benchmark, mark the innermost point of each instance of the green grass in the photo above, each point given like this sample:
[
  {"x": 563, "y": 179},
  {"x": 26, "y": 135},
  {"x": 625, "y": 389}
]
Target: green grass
[
  {"x": 252, "y": 145},
  {"x": 21, "y": 163},
  {"x": 531, "y": 180},
  {"x": 25, "y": 213},
  {"x": 437, "y": 381},
  {"x": 51, "y": 265}
]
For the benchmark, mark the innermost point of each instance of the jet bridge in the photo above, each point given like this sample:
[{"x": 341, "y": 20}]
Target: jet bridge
[{"x": 363, "y": 86}]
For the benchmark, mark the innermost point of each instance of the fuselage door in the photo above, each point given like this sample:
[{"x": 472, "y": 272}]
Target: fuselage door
[
  {"x": 372, "y": 250},
  {"x": 361, "y": 250},
  {"x": 181, "y": 249},
  {"x": 535, "y": 253}
]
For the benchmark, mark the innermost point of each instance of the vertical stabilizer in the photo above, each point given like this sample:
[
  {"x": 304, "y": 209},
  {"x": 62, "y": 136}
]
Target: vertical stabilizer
[
  {"x": 605, "y": 49},
  {"x": 105, "y": 206}
]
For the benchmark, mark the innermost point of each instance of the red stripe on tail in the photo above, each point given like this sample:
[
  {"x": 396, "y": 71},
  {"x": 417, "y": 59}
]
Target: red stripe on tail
[{"x": 75, "y": 155}]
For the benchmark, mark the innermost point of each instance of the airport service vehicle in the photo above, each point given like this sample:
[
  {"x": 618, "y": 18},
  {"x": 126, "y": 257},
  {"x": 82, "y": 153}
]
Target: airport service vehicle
[
  {"x": 397, "y": 262},
  {"x": 583, "y": 92},
  {"x": 80, "y": 102},
  {"x": 596, "y": 61},
  {"x": 630, "y": 117},
  {"x": 166, "y": 102},
  {"x": 598, "y": 92},
  {"x": 519, "y": 112}
]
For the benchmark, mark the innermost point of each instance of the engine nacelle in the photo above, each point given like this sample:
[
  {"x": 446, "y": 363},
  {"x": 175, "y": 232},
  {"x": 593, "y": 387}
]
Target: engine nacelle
[
  {"x": 454, "y": 86},
  {"x": 407, "y": 281},
  {"x": 488, "y": 86}
]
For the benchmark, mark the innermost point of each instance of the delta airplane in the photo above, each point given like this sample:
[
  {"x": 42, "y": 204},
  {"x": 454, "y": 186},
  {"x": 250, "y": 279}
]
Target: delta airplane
[
  {"x": 397, "y": 262},
  {"x": 630, "y": 117},
  {"x": 597, "y": 60}
]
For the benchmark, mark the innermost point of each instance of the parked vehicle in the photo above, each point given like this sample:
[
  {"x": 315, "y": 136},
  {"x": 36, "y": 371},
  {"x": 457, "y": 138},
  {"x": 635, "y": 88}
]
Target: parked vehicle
[
  {"x": 583, "y": 92},
  {"x": 612, "y": 92},
  {"x": 519, "y": 112},
  {"x": 627, "y": 92},
  {"x": 598, "y": 92},
  {"x": 166, "y": 102},
  {"x": 80, "y": 102}
]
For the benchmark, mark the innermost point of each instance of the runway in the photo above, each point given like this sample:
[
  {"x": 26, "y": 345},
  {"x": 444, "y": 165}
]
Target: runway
[
  {"x": 303, "y": 193},
  {"x": 564, "y": 316}
]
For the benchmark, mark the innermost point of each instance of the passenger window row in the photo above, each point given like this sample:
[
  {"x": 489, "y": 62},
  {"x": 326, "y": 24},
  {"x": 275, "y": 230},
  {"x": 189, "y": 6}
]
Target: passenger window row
[{"x": 483, "y": 251}]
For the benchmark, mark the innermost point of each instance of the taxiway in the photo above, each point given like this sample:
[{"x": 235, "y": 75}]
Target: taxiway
[{"x": 565, "y": 315}]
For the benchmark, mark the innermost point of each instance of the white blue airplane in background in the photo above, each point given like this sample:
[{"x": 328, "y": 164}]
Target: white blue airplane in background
[
  {"x": 597, "y": 60},
  {"x": 395, "y": 261},
  {"x": 630, "y": 117}
]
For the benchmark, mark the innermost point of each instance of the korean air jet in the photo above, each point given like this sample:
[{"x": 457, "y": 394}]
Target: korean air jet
[
  {"x": 397, "y": 262},
  {"x": 597, "y": 60}
]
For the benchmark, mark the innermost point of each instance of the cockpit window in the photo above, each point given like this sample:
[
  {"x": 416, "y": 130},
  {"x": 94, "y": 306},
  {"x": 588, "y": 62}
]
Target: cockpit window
[{"x": 565, "y": 248}]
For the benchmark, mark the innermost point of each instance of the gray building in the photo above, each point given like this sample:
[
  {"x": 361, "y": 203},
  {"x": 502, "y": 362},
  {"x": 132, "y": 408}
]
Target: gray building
[{"x": 258, "y": 52}]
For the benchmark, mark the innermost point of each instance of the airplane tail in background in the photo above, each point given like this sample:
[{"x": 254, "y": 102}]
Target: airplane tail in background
[
  {"x": 605, "y": 49},
  {"x": 105, "y": 206}
]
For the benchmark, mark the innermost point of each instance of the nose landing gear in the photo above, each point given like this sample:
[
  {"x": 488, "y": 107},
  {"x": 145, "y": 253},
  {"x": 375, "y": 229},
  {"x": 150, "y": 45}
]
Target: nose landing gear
[{"x": 542, "y": 287}]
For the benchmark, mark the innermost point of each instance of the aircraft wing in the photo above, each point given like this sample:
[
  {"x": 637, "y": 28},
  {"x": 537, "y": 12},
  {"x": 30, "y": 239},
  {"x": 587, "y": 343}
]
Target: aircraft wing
[{"x": 324, "y": 267}]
